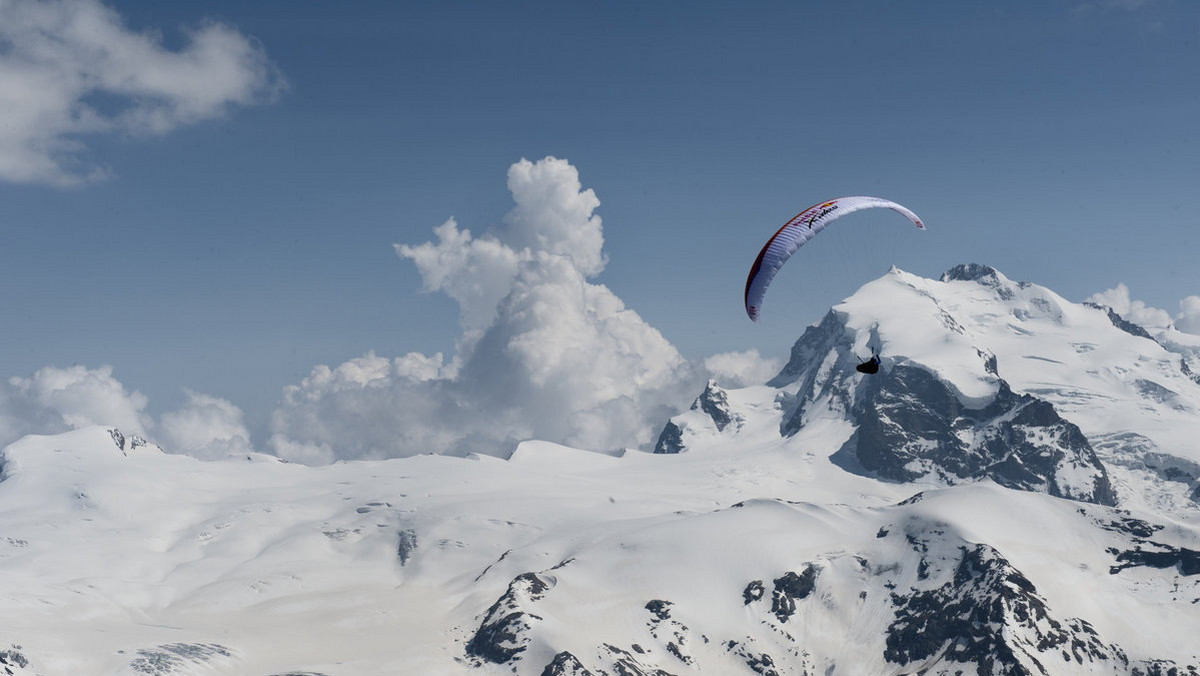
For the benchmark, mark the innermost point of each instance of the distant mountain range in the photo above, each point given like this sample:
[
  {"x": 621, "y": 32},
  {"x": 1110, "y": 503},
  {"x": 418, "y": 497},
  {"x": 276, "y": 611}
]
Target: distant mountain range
[{"x": 1017, "y": 491}]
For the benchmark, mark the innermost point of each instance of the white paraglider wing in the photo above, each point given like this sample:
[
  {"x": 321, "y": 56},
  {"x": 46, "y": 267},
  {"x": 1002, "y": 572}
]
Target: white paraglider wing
[{"x": 797, "y": 231}]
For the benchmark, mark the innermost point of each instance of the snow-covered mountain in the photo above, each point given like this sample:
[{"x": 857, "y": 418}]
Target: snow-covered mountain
[{"x": 1015, "y": 492}]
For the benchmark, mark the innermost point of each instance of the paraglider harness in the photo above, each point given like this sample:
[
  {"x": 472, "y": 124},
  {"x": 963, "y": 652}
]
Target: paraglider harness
[{"x": 869, "y": 366}]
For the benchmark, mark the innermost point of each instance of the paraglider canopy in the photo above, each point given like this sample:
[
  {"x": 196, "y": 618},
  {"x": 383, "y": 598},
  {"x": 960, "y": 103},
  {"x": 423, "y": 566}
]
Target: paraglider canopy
[{"x": 797, "y": 231}]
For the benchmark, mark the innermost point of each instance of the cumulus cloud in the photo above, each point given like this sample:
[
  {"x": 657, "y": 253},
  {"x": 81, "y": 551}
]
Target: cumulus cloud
[
  {"x": 204, "y": 427},
  {"x": 742, "y": 369},
  {"x": 71, "y": 68},
  {"x": 545, "y": 352},
  {"x": 1188, "y": 319},
  {"x": 1134, "y": 310},
  {"x": 55, "y": 400},
  {"x": 1138, "y": 312}
]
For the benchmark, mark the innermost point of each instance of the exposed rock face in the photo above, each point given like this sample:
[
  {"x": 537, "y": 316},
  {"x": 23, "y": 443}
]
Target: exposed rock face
[
  {"x": 753, "y": 592},
  {"x": 1163, "y": 668},
  {"x": 625, "y": 664},
  {"x": 911, "y": 426},
  {"x": 760, "y": 663},
  {"x": 406, "y": 544},
  {"x": 811, "y": 350},
  {"x": 709, "y": 410},
  {"x": 504, "y": 632},
  {"x": 672, "y": 634},
  {"x": 792, "y": 587},
  {"x": 942, "y": 410},
  {"x": 1122, "y": 323},
  {"x": 565, "y": 664},
  {"x": 970, "y": 272},
  {"x": 177, "y": 658},
  {"x": 1142, "y": 551},
  {"x": 13, "y": 662},
  {"x": 670, "y": 440},
  {"x": 1186, "y": 561},
  {"x": 923, "y": 598},
  {"x": 1187, "y": 371},
  {"x": 131, "y": 443},
  {"x": 989, "y": 616},
  {"x": 714, "y": 401}
]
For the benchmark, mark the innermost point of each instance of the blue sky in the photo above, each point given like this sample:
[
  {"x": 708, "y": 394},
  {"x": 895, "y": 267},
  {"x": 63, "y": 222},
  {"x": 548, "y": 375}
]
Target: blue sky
[{"x": 251, "y": 238}]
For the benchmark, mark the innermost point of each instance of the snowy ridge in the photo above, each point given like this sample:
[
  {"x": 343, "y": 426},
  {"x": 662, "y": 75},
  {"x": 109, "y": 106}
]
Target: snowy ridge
[
  {"x": 1013, "y": 493},
  {"x": 976, "y": 338}
]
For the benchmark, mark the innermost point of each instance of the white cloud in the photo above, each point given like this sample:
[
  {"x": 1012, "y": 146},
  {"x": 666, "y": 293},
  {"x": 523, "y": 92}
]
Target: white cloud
[
  {"x": 545, "y": 353},
  {"x": 554, "y": 214},
  {"x": 1133, "y": 310},
  {"x": 70, "y": 68},
  {"x": 1118, "y": 298},
  {"x": 204, "y": 427},
  {"x": 475, "y": 272},
  {"x": 742, "y": 369},
  {"x": 1188, "y": 319},
  {"x": 55, "y": 400}
]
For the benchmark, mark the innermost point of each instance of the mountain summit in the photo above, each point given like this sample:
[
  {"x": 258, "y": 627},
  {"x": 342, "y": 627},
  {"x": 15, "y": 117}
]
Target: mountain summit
[
  {"x": 1014, "y": 492},
  {"x": 984, "y": 377}
]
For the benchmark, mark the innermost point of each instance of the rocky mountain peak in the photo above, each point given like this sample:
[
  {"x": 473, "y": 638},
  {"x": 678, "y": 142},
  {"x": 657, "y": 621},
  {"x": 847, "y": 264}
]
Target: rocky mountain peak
[
  {"x": 970, "y": 272},
  {"x": 714, "y": 402}
]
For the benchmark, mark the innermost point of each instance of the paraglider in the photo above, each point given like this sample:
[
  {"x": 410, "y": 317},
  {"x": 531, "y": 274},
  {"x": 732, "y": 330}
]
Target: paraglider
[
  {"x": 869, "y": 366},
  {"x": 796, "y": 232}
]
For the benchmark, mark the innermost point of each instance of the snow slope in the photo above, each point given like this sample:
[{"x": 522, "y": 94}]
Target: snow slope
[{"x": 756, "y": 542}]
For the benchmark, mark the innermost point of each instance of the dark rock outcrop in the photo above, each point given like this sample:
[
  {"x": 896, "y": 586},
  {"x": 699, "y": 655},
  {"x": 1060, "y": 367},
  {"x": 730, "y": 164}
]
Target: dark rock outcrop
[
  {"x": 753, "y": 592},
  {"x": 565, "y": 664},
  {"x": 970, "y": 272},
  {"x": 714, "y": 402},
  {"x": 625, "y": 664},
  {"x": 990, "y": 616},
  {"x": 176, "y": 658},
  {"x": 11, "y": 660},
  {"x": 670, "y": 440},
  {"x": 1120, "y": 322},
  {"x": 912, "y": 426},
  {"x": 1184, "y": 560},
  {"x": 406, "y": 544},
  {"x": 792, "y": 587},
  {"x": 505, "y": 630}
]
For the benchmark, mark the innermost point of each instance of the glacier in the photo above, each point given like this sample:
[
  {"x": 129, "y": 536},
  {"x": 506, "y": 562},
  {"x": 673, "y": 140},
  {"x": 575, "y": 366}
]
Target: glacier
[{"x": 1016, "y": 492}]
